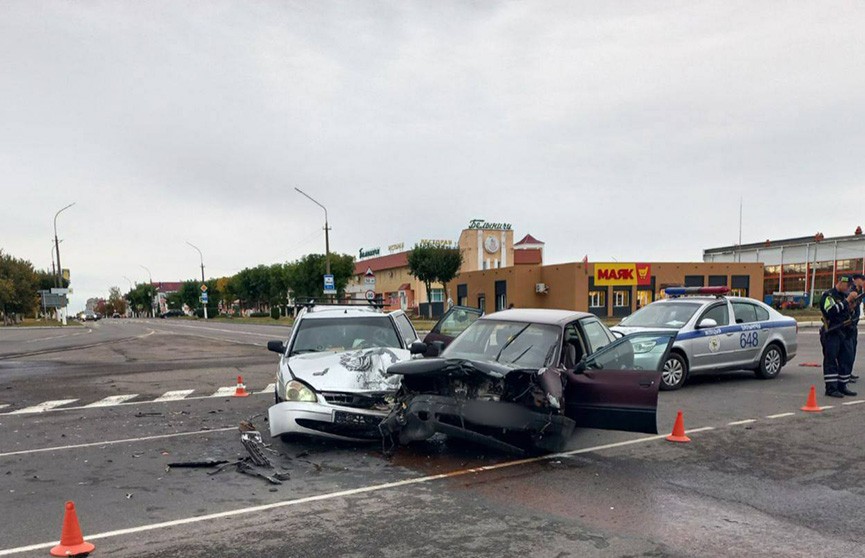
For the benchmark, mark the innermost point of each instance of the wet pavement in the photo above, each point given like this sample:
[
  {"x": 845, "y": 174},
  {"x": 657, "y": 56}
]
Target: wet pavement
[{"x": 782, "y": 485}]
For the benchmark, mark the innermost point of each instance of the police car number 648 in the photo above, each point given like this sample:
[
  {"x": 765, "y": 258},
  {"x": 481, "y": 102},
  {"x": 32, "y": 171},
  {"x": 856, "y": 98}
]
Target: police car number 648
[{"x": 716, "y": 333}]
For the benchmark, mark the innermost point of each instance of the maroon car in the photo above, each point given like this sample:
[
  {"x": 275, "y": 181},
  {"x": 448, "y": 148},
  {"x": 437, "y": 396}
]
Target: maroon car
[
  {"x": 451, "y": 324},
  {"x": 522, "y": 380}
]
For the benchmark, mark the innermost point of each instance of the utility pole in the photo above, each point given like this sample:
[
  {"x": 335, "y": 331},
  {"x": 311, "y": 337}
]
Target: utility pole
[
  {"x": 201, "y": 256},
  {"x": 326, "y": 229}
]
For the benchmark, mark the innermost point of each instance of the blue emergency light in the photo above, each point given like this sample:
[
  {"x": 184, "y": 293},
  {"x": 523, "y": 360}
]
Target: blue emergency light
[{"x": 684, "y": 291}]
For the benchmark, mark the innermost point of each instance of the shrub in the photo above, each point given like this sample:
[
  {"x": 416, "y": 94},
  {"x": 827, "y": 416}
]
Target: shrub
[
  {"x": 274, "y": 312},
  {"x": 259, "y": 314}
]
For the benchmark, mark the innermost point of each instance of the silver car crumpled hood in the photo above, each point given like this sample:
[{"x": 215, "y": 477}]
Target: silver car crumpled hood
[{"x": 349, "y": 371}]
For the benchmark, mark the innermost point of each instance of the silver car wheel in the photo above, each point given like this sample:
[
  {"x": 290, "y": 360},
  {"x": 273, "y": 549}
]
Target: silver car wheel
[
  {"x": 673, "y": 371},
  {"x": 772, "y": 361}
]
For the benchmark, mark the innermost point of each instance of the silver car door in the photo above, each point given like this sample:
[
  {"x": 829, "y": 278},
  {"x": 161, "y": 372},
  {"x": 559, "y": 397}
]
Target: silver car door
[{"x": 751, "y": 337}]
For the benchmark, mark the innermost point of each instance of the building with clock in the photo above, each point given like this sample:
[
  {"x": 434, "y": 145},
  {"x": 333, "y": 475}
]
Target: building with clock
[{"x": 485, "y": 246}]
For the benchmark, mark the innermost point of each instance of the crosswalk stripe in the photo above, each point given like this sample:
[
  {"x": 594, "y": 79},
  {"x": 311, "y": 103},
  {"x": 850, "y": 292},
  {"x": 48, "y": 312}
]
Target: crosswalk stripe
[
  {"x": 173, "y": 395},
  {"x": 112, "y": 400},
  {"x": 224, "y": 391},
  {"x": 44, "y": 406},
  {"x": 268, "y": 389}
]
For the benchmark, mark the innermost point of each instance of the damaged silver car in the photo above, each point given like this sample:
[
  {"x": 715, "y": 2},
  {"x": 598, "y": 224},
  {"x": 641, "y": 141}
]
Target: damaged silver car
[
  {"x": 522, "y": 380},
  {"x": 332, "y": 380}
]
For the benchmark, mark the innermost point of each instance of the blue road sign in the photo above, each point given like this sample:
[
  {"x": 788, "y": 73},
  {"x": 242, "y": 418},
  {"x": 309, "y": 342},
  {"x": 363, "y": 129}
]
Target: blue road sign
[
  {"x": 204, "y": 297},
  {"x": 329, "y": 285}
]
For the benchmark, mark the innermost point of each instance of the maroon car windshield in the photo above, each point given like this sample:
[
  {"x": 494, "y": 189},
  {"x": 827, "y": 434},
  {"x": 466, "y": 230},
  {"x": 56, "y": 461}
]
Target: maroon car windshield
[{"x": 521, "y": 345}]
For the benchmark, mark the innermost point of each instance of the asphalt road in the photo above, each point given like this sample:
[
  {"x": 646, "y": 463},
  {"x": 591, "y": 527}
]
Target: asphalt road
[{"x": 785, "y": 483}]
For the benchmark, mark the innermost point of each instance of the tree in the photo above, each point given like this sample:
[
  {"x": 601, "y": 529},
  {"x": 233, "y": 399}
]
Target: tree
[
  {"x": 141, "y": 297},
  {"x": 17, "y": 285},
  {"x": 305, "y": 277},
  {"x": 434, "y": 264},
  {"x": 116, "y": 302}
]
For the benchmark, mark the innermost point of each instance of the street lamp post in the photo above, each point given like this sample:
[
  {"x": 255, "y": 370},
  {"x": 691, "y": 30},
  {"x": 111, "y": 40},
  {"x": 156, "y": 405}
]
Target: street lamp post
[
  {"x": 201, "y": 257},
  {"x": 150, "y": 277},
  {"x": 58, "y": 278},
  {"x": 326, "y": 229}
]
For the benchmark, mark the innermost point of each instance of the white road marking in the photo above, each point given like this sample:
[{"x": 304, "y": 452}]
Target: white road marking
[
  {"x": 42, "y": 407},
  {"x": 226, "y": 330},
  {"x": 173, "y": 395},
  {"x": 338, "y": 494},
  {"x": 59, "y": 336},
  {"x": 224, "y": 391},
  {"x": 781, "y": 415},
  {"x": 112, "y": 442},
  {"x": 738, "y": 422},
  {"x": 269, "y": 389},
  {"x": 827, "y": 407},
  {"x": 858, "y": 401},
  {"x": 4, "y": 405},
  {"x": 112, "y": 400}
]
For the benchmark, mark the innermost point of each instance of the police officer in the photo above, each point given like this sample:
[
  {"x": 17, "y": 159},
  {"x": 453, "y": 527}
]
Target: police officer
[
  {"x": 852, "y": 331},
  {"x": 835, "y": 307}
]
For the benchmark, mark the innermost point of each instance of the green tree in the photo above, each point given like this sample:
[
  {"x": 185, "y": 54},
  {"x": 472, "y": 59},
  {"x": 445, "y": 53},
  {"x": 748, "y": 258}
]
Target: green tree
[
  {"x": 18, "y": 285},
  {"x": 434, "y": 264},
  {"x": 189, "y": 293},
  {"x": 305, "y": 277},
  {"x": 141, "y": 298}
]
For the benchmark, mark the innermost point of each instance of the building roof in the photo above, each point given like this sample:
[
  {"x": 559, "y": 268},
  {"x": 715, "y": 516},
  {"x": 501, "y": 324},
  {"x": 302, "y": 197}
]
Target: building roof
[
  {"x": 168, "y": 286},
  {"x": 528, "y": 239},
  {"x": 381, "y": 263},
  {"x": 797, "y": 241}
]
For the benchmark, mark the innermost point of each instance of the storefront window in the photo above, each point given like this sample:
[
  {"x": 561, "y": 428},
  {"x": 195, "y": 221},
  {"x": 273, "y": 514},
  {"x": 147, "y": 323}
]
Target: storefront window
[
  {"x": 644, "y": 298},
  {"x": 622, "y": 299},
  {"x": 437, "y": 295},
  {"x": 597, "y": 299}
]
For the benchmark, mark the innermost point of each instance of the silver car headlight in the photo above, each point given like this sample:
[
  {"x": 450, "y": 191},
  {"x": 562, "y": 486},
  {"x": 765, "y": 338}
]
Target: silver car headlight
[
  {"x": 644, "y": 346},
  {"x": 298, "y": 391}
]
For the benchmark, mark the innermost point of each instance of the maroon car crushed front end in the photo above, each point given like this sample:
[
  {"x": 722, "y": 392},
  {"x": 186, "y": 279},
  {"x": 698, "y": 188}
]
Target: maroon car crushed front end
[{"x": 520, "y": 381}]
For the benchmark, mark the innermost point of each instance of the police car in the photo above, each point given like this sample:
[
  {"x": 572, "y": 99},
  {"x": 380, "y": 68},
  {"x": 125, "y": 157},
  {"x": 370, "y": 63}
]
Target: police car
[{"x": 715, "y": 333}]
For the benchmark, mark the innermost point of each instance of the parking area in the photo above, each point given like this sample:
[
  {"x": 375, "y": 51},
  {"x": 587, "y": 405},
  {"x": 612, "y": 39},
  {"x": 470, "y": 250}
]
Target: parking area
[{"x": 96, "y": 416}]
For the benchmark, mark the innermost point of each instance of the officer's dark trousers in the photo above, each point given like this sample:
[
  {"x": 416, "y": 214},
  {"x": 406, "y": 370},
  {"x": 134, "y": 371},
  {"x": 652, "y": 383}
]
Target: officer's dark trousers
[
  {"x": 849, "y": 353},
  {"x": 835, "y": 358}
]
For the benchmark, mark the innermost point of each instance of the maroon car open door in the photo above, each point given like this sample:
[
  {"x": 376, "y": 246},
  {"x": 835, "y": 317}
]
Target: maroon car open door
[
  {"x": 616, "y": 388},
  {"x": 451, "y": 324}
]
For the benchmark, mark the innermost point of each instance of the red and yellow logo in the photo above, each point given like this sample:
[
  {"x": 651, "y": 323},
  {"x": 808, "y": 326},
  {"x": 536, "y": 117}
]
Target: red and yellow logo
[{"x": 623, "y": 274}]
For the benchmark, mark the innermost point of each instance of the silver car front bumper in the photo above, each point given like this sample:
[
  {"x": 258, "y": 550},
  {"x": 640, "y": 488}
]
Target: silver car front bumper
[{"x": 324, "y": 420}]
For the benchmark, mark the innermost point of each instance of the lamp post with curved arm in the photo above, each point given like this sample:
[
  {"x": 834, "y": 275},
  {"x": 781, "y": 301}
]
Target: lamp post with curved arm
[{"x": 201, "y": 257}]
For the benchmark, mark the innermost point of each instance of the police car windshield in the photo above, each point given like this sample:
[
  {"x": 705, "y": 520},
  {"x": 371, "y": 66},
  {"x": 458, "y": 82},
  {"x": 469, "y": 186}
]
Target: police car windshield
[{"x": 663, "y": 315}]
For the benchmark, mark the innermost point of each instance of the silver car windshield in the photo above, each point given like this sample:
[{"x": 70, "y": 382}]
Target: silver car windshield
[
  {"x": 520, "y": 345},
  {"x": 663, "y": 315},
  {"x": 344, "y": 334}
]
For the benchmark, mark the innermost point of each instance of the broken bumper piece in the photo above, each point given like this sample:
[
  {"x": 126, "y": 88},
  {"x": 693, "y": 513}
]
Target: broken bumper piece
[
  {"x": 328, "y": 421},
  {"x": 506, "y": 426}
]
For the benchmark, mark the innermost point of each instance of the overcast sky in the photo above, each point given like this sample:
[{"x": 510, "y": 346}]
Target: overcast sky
[{"x": 624, "y": 130}]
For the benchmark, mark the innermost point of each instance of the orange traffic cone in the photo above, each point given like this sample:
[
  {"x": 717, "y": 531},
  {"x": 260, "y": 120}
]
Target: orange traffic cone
[
  {"x": 811, "y": 405},
  {"x": 240, "y": 391},
  {"x": 71, "y": 539},
  {"x": 678, "y": 434}
]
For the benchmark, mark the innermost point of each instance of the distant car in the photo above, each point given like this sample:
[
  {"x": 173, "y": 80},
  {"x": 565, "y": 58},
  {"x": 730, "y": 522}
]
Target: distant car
[
  {"x": 90, "y": 317},
  {"x": 522, "y": 380},
  {"x": 716, "y": 333},
  {"x": 115, "y": 315},
  {"x": 172, "y": 314},
  {"x": 332, "y": 380}
]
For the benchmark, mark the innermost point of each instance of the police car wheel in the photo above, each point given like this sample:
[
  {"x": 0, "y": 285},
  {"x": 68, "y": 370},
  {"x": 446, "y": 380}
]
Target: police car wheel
[
  {"x": 770, "y": 362},
  {"x": 674, "y": 373}
]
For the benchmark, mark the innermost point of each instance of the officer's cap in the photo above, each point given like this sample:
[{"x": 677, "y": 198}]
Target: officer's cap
[{"x": 844, "y": 279}]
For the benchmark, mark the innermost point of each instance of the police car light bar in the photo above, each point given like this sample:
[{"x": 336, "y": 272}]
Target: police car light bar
[{"x": 683, "y": 291}]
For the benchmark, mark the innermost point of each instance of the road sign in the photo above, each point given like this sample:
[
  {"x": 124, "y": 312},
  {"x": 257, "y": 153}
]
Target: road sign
[
  {"x": 369, "y": 279},
  {"x": 204, "y": 297},
  {"x": 203, "y": 288},
  {"x": 329, "y": 285},
  {"x": 370, "y": 295}
]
